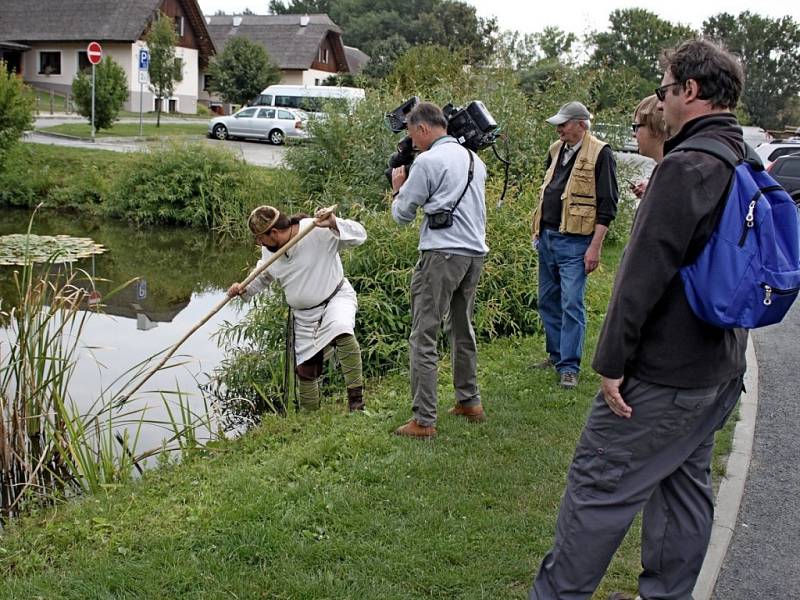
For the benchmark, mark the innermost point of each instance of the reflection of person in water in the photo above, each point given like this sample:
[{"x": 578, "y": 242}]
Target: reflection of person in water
[{"x": 322, "y": 300}]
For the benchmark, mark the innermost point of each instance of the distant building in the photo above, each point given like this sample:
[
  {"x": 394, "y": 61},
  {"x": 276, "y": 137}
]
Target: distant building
[
  {"x": 307, "y": 48},
  {"x": 45, "y": 42}
]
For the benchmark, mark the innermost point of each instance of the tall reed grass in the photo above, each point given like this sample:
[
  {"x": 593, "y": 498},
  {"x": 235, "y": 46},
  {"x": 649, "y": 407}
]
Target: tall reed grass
[{"x": 49, "y": 448}]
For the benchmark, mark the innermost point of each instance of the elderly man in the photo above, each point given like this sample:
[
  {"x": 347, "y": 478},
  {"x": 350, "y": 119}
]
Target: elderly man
[
  {"x": 669, "y": 380},
  {"x": 577, "y": 203}
]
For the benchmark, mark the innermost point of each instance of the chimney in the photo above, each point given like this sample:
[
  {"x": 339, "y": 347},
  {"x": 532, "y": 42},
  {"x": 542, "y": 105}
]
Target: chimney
[
  {"x": 237, "y": 21},
  {"x": 304, "y": 20}
]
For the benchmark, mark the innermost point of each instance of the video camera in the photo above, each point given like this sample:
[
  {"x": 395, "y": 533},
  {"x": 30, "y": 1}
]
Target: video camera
[{"x": 471, "y": 125}]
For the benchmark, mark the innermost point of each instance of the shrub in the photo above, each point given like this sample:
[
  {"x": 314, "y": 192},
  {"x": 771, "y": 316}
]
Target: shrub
[
  {"x": 16, "y": 111},
  {"x": 111, "y": 92},
  {"x": 196, "y": 185}
]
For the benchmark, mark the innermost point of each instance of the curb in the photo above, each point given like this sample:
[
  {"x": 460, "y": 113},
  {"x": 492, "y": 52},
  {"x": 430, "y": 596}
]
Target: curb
[{"x": 731, "y": 487}]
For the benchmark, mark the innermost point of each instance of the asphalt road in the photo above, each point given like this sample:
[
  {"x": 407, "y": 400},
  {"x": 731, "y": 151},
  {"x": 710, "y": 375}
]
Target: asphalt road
[{"x": 762, "y": 559}]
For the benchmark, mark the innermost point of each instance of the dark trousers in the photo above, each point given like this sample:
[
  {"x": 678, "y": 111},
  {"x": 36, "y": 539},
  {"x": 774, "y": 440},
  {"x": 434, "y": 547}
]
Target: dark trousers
[{"x": 659, "y": 460}]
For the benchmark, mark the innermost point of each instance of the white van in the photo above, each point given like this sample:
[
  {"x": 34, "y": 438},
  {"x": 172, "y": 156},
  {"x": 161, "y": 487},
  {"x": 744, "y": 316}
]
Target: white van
[{"x": 310, "y": 98}]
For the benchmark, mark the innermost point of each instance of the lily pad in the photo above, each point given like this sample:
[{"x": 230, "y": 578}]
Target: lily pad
[{"x": 20, "y": 248}]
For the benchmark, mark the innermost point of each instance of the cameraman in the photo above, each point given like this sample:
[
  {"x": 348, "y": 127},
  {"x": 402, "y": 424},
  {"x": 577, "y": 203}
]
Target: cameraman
[{"x": 445, "y": 178}]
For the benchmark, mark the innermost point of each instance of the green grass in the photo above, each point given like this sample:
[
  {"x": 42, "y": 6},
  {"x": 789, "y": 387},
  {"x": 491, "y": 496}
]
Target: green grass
[
  {"x": 332, "y": 506},
  {"x": 149, "y": 129},
  {"x": 43, "y": 102}
]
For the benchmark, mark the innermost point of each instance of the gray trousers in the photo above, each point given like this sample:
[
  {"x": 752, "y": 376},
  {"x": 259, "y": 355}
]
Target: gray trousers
[
  {"x": 659, "y": 460},
  {"x": 443, "y": 285}
]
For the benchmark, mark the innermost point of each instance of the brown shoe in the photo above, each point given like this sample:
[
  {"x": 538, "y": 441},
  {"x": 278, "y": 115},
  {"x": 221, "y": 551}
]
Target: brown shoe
[
  {"x": 569, "y": 380},
  {"x": 355, "y": 399},
  {"x": 474, "y": 414},
  {"x": 415, "y": 430}
]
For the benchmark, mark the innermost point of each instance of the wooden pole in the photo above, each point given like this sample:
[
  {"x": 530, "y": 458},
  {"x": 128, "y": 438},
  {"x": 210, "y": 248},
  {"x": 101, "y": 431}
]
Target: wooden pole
[{"x": 302, "y": 232}]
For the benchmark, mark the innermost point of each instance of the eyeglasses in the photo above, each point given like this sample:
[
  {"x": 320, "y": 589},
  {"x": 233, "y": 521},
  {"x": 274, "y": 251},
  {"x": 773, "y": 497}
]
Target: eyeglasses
[
  {"x": 635, "y": 127},
  {"x": 661, "y": 92}
]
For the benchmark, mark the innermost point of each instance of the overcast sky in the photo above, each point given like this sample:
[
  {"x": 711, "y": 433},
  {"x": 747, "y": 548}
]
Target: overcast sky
[{"x": 578, "y": 16}]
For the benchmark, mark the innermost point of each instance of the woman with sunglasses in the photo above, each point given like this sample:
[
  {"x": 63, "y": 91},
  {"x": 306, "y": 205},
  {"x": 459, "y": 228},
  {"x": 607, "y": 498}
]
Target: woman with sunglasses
[{"x": 650, "y": 131}]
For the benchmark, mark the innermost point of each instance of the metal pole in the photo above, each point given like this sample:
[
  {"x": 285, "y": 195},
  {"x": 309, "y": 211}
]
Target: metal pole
[
  {"x": 141, "y": 93},
  {"x": 93, "y": 81}
]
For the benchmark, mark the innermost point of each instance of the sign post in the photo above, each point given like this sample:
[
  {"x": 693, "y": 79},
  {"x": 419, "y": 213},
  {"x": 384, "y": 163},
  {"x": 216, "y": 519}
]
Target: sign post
[
  {"x": 94, "y": 52},
  {"x": 144, "y": 66}
]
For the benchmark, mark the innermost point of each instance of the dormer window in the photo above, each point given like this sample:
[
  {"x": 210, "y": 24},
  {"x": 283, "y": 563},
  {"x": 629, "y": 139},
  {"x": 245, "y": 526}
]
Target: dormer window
[{"x": 179, "y": 21}]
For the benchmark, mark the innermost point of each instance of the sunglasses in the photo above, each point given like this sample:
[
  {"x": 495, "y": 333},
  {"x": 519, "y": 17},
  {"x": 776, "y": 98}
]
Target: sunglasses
[
  {"x": 635, "y": 127},
  {"x": 661, "y": 92}
]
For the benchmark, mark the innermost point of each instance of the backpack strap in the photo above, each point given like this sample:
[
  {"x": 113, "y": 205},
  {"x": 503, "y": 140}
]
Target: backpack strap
[
  {"x": 469, "y": 180},
  {"x": 723, "y": 152}
]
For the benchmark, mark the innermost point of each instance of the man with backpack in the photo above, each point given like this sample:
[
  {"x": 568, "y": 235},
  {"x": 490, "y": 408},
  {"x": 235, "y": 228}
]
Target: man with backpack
[{"x": 669, "y": 379}]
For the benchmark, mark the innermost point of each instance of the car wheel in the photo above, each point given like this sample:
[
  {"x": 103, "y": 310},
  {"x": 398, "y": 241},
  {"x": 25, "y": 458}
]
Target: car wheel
[
  {"x": 276, "y": 137},
  {"x": 220, "y": 132}
]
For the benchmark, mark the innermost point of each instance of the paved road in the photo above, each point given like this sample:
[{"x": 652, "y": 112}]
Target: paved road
[
  {"x": 762, "y": 559},
  {"x": 253, "y": 152}
]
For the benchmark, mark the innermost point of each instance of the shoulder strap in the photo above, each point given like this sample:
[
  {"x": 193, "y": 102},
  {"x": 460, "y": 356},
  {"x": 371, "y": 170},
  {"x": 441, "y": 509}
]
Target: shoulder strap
[
  {"x": 723, "y": 152},
  {"x": 469, "y": 179}
]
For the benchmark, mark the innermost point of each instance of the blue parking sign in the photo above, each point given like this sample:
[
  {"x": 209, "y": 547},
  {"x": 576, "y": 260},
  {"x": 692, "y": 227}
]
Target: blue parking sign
[{"x": 144, "y": 59}]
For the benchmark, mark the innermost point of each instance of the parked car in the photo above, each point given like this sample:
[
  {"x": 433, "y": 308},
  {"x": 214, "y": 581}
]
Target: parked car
[
  {"x": 755, "y": 136},
  {"x": 786, "y": 171},
  {"x": 772, "y": 150},
  {"x": 271, "y": 124}
]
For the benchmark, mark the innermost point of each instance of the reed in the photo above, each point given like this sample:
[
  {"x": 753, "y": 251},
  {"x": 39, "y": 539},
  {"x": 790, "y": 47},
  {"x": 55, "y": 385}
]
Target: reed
[{"x": 49, "y": 448}]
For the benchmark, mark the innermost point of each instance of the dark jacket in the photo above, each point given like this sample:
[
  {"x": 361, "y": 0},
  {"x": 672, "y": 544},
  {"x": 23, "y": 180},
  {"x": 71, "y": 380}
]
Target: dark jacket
[{"x": 650, "y": 332}]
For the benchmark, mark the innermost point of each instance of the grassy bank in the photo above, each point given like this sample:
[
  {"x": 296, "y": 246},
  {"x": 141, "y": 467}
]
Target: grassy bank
[
  {"x": 149, "y": 129},
  {"x": 332, "y": 506}
]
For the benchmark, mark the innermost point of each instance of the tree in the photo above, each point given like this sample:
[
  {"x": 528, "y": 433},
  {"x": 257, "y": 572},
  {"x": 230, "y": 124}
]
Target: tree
[
  {"x": 636, "y": 39},
  {"x": 384, "y": 55},
  {"x": 770, "y": 53},
  {"x": 111, "y": 91},
  {"x": 242, "y": 71},
  {"x": 165, "y": 68},
  {"x": 16, "y": 110},
  {"x": 369, "y": 24}
]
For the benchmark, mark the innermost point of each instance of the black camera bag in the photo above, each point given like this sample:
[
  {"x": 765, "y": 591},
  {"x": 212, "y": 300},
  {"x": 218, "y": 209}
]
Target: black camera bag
[{"x": 444, "y": 218}]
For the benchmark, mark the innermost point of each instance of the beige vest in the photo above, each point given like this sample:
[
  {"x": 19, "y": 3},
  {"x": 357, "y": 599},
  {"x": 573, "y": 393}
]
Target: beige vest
[{"x": 579, "y": 200}]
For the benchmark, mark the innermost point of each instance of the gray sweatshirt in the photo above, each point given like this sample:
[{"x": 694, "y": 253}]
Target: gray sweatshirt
[{"x": 435, "y": 181}]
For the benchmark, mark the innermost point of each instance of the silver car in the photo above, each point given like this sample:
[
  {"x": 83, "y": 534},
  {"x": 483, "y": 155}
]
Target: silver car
[{"x": 271, "y": 124}]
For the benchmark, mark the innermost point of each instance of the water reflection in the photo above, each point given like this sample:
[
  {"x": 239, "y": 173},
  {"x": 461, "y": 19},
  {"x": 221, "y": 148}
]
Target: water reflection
[{"x": 177, "y": 276}]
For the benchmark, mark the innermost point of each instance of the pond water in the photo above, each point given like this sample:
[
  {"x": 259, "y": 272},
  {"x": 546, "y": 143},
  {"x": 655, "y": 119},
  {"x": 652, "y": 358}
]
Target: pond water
[{"x": 182, "y": 275}]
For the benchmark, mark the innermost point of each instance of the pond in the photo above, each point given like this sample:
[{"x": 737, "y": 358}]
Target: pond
[{"x": 181, "y": 275}]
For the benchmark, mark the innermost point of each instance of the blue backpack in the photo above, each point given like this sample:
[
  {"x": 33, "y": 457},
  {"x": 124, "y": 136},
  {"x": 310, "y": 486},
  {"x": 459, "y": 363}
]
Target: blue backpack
[{"x": 748, "y": 274}]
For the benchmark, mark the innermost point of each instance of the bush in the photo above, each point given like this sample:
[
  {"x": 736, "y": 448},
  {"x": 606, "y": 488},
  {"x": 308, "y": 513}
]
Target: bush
[
  {"x": 110, "y": 94},
  {"x": 195, "y": 185},
  {"x": 16, "y": 111}
]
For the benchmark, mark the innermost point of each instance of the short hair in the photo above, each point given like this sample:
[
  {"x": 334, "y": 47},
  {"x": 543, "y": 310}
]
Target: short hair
[
  {"x": 649, "y": 115},
  {"x": 428, "y": 113},
  {"x": 718, "y": 73}
]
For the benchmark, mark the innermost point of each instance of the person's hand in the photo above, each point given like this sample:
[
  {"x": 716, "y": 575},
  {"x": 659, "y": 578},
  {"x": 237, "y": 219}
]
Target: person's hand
[
  {"x": 236, "y": 290},
  {"x": 612, "y": 396},
  {"x": 535, "y": 243},
  {"x": 639, "y": 187},
  {"x": 322, "y": 218},
  {"x": 398, "y": 178},
  {"x": 591, "y": 260}
]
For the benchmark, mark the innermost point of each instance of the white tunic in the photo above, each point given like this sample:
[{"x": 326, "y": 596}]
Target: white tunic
[{"x": 308, "y": 274}]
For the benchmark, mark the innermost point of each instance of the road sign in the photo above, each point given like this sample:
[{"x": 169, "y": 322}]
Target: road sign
[
  {"x": 95, "y": 53},
  {"x": 143, "y": 78},
  {"x": 144, "y": 59}
]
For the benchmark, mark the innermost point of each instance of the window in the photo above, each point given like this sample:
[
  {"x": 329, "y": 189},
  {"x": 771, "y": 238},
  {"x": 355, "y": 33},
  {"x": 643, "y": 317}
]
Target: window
[
  {"x": 285, "y": 114},
  {"x": 207, "y": 80},
  {"x": 179, "y": 26},
  {"x": 266, "y": 113},
  {"x": 789, "y": 167},
  {"x": 326, "y": 56},
  {"x": 782, "y": 152},
  {"x": 288, "y": 101},
  {"x": 50, "y": 63},
  {"x": 322, "y": 55},
  {"x": 248, "y": 113},
  {"x": 83, "y": 61},
  {"x": 262, "y": 100}
]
